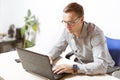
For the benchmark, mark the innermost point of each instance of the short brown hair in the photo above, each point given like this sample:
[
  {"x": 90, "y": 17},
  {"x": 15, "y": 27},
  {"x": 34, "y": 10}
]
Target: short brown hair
[{"x": 75, "y": 7}]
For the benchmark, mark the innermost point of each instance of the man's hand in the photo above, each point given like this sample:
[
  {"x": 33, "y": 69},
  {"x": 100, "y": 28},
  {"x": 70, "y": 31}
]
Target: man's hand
[{"x": 63, "y": 68}]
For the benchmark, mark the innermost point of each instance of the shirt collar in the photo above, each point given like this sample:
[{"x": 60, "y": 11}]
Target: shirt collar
[{"x": 84, "y": 31}]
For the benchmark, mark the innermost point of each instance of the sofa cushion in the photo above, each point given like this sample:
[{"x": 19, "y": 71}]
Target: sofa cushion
[{"x": 114, "y": 49}]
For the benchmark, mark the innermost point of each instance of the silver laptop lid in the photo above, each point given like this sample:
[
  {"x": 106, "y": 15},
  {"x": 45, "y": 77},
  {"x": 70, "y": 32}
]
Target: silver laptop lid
[{"x": 36, "y": 63}]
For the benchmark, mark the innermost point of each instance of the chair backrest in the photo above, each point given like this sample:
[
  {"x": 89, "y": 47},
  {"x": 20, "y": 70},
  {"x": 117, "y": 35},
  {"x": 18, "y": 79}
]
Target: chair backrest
[{"x": 114, "y": 49}]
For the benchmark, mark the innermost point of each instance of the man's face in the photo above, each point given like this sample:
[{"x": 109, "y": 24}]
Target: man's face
[{"x": 72, "y": 21}]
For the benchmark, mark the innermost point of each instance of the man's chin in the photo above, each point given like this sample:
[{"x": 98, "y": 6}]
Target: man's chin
[{"x": 70, "y": 32}]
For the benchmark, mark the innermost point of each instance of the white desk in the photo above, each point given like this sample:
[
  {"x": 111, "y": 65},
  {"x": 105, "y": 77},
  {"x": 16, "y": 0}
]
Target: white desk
[{"x": 10, "y": 70}]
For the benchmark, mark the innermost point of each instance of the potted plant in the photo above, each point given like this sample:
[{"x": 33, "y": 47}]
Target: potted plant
[{"x": 31, "y": 24}]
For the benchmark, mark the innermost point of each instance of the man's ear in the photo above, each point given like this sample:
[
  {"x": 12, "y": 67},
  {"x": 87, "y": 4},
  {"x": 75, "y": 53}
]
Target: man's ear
[{"x": 82, "y": 18}]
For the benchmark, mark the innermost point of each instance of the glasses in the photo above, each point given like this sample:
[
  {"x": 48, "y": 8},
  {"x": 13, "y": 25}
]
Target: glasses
[{"x": 72, "y": 22}]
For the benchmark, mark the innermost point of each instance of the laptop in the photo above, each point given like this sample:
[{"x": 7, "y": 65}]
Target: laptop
[{"x": 37, "y": 63}]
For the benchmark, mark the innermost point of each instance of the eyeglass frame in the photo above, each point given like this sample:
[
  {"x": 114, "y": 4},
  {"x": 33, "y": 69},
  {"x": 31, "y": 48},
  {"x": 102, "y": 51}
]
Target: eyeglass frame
[{"x": 72, "y": 22}]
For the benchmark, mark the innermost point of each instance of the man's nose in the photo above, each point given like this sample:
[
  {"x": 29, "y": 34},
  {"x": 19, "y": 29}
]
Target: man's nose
[{"x": 67, "y": 25}]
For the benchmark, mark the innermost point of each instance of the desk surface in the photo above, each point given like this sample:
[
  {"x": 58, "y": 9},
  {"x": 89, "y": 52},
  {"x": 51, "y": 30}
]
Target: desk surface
[{"x": 10, "y": 70}]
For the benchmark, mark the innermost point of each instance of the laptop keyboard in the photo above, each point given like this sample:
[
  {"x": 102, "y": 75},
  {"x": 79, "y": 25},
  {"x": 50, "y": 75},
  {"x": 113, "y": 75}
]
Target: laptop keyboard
[{"x": 58, "y": 76}]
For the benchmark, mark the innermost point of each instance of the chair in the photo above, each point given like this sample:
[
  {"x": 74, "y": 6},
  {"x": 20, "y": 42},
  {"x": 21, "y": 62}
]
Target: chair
[{"x": 114, "y": 50}]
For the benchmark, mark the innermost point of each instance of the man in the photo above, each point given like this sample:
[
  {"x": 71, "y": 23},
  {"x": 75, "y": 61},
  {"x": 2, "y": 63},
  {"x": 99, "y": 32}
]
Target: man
[{"x": 87, "y": 42}]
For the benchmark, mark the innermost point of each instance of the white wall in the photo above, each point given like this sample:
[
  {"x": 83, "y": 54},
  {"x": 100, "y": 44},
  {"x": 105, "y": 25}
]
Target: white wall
[
  {"x": 104, "y": 13},
  {"x": 11, "y": 13}
]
